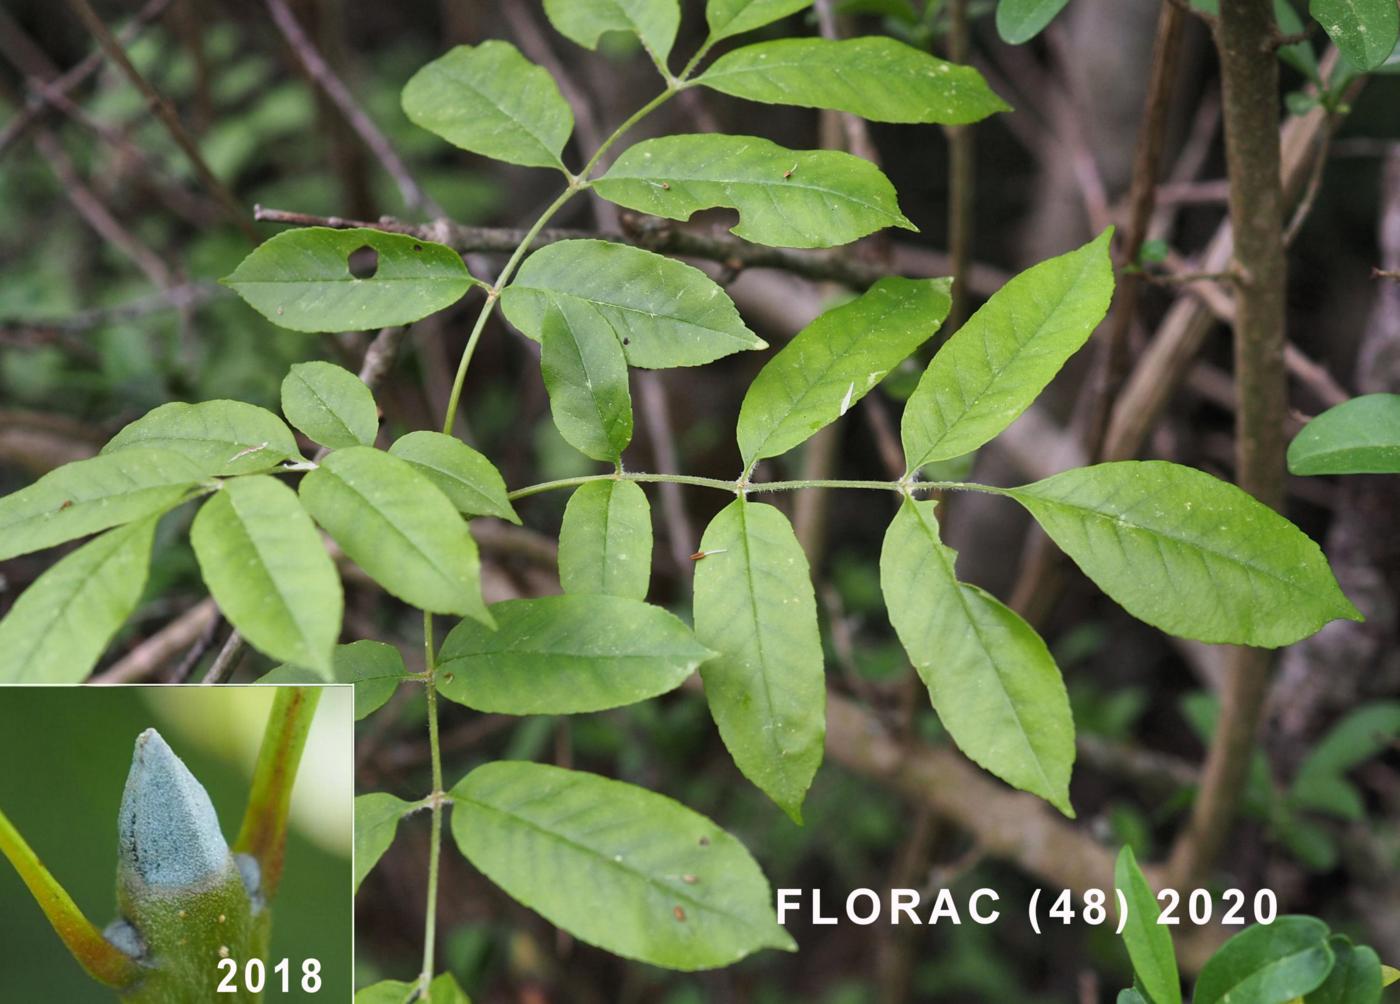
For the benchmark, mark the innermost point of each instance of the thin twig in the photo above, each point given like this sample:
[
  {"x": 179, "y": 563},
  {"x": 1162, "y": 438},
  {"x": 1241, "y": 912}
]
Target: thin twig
[
  {"x": 224, "y": 661},
  {"x": 320, "y": 71},
  {"x": 164, "y": 111}
]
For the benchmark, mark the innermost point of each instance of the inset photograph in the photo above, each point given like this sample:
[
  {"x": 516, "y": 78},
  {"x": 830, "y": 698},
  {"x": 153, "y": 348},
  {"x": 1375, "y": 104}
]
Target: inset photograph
[{"x": 175, "y": 845}]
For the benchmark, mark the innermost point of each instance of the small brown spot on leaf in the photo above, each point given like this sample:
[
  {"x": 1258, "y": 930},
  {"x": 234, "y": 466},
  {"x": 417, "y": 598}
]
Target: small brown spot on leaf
[
  {"x": 689, "y": 879},
  {"x": 704, "y": 841},
  {"x": 679, "y": 913}
]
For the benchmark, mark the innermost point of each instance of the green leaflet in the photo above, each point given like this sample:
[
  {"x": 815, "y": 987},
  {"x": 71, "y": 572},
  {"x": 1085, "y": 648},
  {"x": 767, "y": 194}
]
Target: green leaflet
[
  {"x": 877, "y": 78},
  {"x": 663, "y": 312},
  {"x": 1360, "y": 436},
  {"x": 835, "y": 361},
  {"x": 222, "y": 438},
  {"x": 1129, "y": 996},
  {"x": 331, "y": 405},
  {"x": 396, "y": 525},
  {"x": 1389, "y": 975},
  {"x": 997, "y": 363},
  {"x": 785, "y": 198},
  {"x": 376, "y": 822},
  {"x": 59, "y": 626},
  {"x": 263, "y": 561},
  {"x": 1188, "y": 553},
  {"x": 91, "y": 495},
  {"x": 1274, "y": 962},
  {"x": 301, "y": 280},
  {"x": 466, "y": 477},
  {"x": 654, "y": 22},
  {"x": 993, "y": 683},
  {"x": 767, "y": 689},
  {"x": 1365, "y": 30},
  {"x": 734, "y": 17},
  {"x": 1355, "y": 977},
  {"x": 491, "y": 100},
  {"x": 605, "y": 540},
  {"x": 1321, "y": 782},
  {"x": 1020, "y": 21},
  {"x": 585, "y": 373},
  {"x": 375, "y": 668},
  {"x": 1149, "y": 943},
  {"x": 619, "y": 867},
  {"x": 443, "y": 990},
  {"x": 564, "y": 655}
]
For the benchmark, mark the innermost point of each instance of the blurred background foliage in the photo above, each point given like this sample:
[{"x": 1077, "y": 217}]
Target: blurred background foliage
[
  {"x": 99, "y": 323},
  {"x": 64, "y": 757}
]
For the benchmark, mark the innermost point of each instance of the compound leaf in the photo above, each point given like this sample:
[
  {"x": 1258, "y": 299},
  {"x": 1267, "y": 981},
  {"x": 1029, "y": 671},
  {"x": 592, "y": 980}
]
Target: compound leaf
[
  {"x": 265, "y": 566},
  {"x": 619, "y": 867},
  {"x": 377, "y": 818},
  {"x": 663, "y": 312},
  {"x": 1268, "y": 963},
  {"x": 785, "y": 198},
  {"x": 301, "y": 279},
  {"x": 993, "y": 367},
  {"x": 992, "y": 681},
  {"x": 331, "y": 405},
  {"x": 654, "y": 22},
  {"x": 1189, "y": 553},
  {"x": 1360, "y": 436},
  {"x": 491, "y": 100},
  {"x": 767, "y": 689},
  {"x": 396, "y": 525},
  {"x": 835, "y": 361},
  {"x": 222, "y": 438},
  {"x": 57, "y": 629},
  {"x": 585, "y": 373},
  {"x": 563, "y": 655},
  {"x": 877, "y": 78},
  {"x": 91, "y": 495},
  {"x": 374, "y": 668},
  {"x": 734, "y": 17},
  {"x": 605, "y": 540},
  {"x": 466, "y": 477}
]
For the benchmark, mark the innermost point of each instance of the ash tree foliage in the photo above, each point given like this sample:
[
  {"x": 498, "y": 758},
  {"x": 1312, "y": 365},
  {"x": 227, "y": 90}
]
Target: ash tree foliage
[{"x": 626, "y": 869}]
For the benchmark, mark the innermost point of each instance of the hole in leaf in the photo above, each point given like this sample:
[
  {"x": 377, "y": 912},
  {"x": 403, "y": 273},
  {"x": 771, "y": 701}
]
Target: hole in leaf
[{"x": 363, "y": 262}]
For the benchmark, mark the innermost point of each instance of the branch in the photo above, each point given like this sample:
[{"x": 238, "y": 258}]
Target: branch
[
  {"x": 378, "y": 144},
  {"x": 164, "y": 111},
  {"x": 1249, "y": 73}
]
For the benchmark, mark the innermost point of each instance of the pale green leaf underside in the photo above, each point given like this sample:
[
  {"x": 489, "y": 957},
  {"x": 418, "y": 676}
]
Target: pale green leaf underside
[
  {"x": 57, "y": 629},
  {"x": 619, "y": 867},
  {"x": 91, "y": 495},
  {"x": 605, "y": 540},
  {"x": 301, "y": 280},
  {"x": 992, "y": 681},
  {"x": 396, "y": 525},
  {"x": 734, "y": 17},
  {"x": 585, "y": 374},
  {"x": 654, "y": 22},
  {"x": 785, "y": 198},
  {"x": 766, "y": 689},
  {"x": 1365, "y": 30},
  {"x": 1189, "y": 553},
  {"x": 997, "y": 363},
  {"x": 564, "y": 655},
  {"x": 376, "y": 822},
  {"x": 1149, "y": 943},
  {"x": 1275, "y": 962},
  {"x": 663, "y": 312},
  {"x": 466, "y": 477},
  {"x": 220, "y": 437},
  {"x": 835, "y": 361},
  {"x": 491, "y": 100},
  {"x": 374, "y": 668},
  {"x": 1360, "y": 436},
  {"x": 877, "y": 78},
  {"x": 331, "y": 405},
  {"x": 264, "y": 564},
  {"x": 1020, "y": 21}
]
